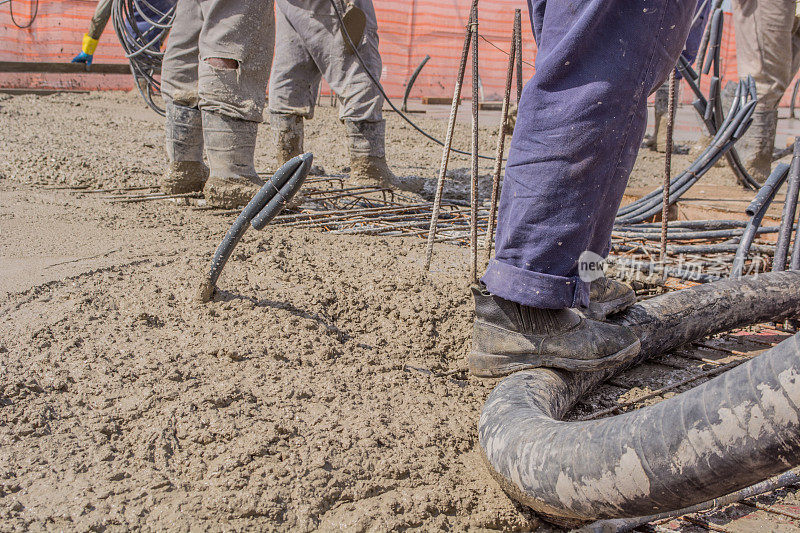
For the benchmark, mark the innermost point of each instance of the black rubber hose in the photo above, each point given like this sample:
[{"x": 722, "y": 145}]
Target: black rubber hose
[
  {"x": 710, "y": 155},
  {"x": 725, "y": 139},
  {"x": 692, "y": 235},
  {"x": 757, "y": 209},
  {"x": 283, "y": 185},
  {"x": 701, "y": 106},
  {"x": 411, "y": 81},
  {"x": 733, "y": 431},
  {"x": 794, "y": 98},
  {"x": 686, "y": 224},
  {"x": 714, "y": 41},
  {"x": 767, "y": 191},
  {"x": 794, "y": 264},
  {"x": 620, "y": 525},
  {"x": 143, "y": 48},
  {"x": 789, "y": 210}
]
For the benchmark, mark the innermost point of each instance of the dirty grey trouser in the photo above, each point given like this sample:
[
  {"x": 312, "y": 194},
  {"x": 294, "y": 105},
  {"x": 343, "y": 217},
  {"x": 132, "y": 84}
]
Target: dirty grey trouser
[
  {"x": 230, "y": 29},
  {"x": 308, "y": 46},
  {"x": 767, "y": 46}
]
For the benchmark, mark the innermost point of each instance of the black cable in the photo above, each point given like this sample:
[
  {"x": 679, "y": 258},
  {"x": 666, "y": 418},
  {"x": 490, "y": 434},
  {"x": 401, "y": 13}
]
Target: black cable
[
  {"x": 143, "y": 48},
  {"x": 33, "y": 17},
  {"x": 378, "y": 86}
]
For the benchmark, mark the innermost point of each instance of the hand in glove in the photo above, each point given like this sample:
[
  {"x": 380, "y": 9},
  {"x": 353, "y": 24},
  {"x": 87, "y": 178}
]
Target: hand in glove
[
  {"x": 87, "y": 51},
  {"x": 83, "y": 57}
]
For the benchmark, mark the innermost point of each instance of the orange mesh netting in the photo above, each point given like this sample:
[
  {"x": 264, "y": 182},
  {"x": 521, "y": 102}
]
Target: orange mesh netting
[{"x": 408, "y": 31}]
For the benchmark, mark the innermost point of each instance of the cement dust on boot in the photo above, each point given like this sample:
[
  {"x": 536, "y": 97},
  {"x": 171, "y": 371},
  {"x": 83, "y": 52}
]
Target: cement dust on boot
[
  {"x": 230, "y": 193},
  {"x": 230, "y": 144},
  {"x": 183, "y": 177},
  {"x": 287, "y": 133}
]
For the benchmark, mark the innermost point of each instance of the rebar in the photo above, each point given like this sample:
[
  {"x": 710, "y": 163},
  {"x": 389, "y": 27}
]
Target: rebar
[
  {"x": 668, "y": 163},
  {"x": 518, "y": 46},
  {"x": 448, "y": 141},
  {"x": 501, "y": 139},
  {"x": 474, "y": 156}
]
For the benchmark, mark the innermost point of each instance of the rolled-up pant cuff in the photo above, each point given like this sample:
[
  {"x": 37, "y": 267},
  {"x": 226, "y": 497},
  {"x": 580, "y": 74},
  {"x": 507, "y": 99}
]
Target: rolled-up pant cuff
[{"x": 534, "y": 289}]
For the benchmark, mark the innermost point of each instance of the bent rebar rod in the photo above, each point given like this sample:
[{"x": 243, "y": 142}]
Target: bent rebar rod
[
  {"x": 724, "y": 435},
  {"x": 265, "y": 204}
]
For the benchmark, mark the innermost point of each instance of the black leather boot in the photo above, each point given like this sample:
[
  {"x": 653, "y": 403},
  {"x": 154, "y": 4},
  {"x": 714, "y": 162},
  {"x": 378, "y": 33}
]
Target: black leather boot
[
  {"x": 606, "y": 297},
  {"x": 508, "y": 337}
]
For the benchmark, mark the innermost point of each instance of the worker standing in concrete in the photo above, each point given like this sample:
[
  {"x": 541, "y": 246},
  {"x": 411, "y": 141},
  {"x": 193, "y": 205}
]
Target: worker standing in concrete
[
  {"x": 581, "y": 120},
  {"x": 310, "y": 45},
  {"x": 767, "y": 48},
  {"x": 214, "y": 81}
]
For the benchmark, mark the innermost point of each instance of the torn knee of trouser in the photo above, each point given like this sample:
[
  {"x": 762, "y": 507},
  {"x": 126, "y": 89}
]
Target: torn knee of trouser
[
  {"x": 230, "y": 87},
  {"x": 222, "y": 63}
]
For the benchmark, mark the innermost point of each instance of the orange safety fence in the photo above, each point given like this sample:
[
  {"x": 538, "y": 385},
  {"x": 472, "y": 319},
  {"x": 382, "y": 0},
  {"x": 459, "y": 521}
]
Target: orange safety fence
[{"x": 408, "y": 31}]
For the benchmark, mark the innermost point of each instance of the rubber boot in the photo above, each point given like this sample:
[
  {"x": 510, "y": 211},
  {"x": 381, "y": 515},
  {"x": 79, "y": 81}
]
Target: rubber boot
[
  {"x": 757, "y": 144},
  {"x": 508, "y": 337},
  {"x": 658, "y": 141},
  {"x": 230, "y": 144},
  {"x": 368, "y": 157},
  {"x": 186, "y": 171},
  {"x": 606, "y": 297},
  {"x": 288, "y": 136}
]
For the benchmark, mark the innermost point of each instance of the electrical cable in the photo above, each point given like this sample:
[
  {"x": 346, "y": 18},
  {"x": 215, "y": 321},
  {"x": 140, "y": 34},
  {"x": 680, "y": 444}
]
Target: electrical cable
[
  {"x": 378, "y": 86},
  {"x": 33, "y": 17}
]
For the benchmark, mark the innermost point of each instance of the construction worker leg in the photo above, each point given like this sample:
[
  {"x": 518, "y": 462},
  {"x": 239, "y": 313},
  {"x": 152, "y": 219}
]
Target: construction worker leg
[
  {"x": 764, "y": 42},
  {"x": 235, "y": 46},
  {"x": 186, "y": 171},
  {"x": 318, "y": 26},
  {"x": 293, "y": 86},
  {"x": 581, "y": 120}
]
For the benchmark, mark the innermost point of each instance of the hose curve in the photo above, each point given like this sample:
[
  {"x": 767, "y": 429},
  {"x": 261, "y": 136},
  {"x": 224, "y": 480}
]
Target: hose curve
[{"x": 730, "y": 432}]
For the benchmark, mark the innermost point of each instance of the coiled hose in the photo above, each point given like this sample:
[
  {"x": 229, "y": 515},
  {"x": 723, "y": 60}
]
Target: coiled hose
[
  {"x": 142, "y": 27},
  {"x": 727, "y": 434}
]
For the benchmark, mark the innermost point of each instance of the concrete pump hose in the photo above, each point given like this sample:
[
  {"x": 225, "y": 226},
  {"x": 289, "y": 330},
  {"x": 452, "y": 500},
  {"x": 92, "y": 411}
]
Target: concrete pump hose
[{"x": 724, "y": 435}]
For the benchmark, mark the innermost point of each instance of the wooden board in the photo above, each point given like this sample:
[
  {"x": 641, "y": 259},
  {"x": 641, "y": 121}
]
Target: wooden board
[{"x": 64, "y": 68}]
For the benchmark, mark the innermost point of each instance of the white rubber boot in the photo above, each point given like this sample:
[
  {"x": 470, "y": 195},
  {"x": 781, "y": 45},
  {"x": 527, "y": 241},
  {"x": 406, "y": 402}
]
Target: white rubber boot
[
  {"x": 186, "y": 171},
  {"x": 230, "y": 144}
]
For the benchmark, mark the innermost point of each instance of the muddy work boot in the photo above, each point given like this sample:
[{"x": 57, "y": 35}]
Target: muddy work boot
[
  {"x": 287, "y": 133},
  {"x": 757, "y": 144},
  {"x": 368, "y": 156},
  {"x": 606, "y": 297},
  {"x": 508, "y": 337},
  {"x": 186, "y": 171},
  {"x": 230, "y": 144}
]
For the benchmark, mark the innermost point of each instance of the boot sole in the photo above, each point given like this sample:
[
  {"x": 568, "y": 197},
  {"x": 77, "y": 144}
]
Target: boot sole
[
  {"x": 601, "y": 310},
  {"x": 484, "y": 365}
]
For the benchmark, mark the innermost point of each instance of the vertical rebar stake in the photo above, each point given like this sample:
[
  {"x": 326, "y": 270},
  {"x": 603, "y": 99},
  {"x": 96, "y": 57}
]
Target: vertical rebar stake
[
  {"x": 673, "y": 82},
  {"x": 448, "y": 141},
  {"x": 518, "y": 46},
  {"x": 501, "y": 138},
  {"x": 473, "y": 215}
]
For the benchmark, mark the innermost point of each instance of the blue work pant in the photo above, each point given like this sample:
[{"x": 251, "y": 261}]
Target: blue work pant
[{"x": 580, "y": 122}]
